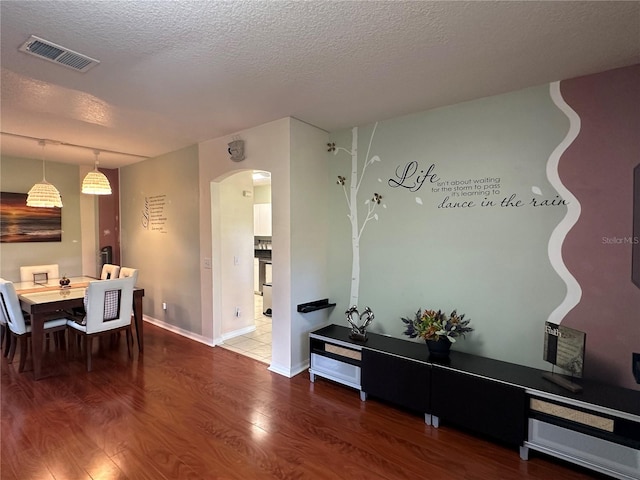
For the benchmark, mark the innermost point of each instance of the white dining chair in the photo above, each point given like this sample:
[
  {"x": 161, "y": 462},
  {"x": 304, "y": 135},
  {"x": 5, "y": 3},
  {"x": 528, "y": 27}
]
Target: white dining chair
[
  {"x": 129, "y": 272},
  {"x": 109, "y": 271},
  {"x": 39, "y": 273},
  {"x": 5, "y": 335},
  {"x": 109, "y": 305},
  {"x": 19, "y": 330}
]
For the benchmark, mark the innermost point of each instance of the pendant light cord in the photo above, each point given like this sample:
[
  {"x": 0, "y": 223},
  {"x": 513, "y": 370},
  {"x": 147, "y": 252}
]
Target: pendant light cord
[{"x": 42, "y": 144}]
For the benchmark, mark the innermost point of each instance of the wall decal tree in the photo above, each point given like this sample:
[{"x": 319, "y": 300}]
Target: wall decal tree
[{"x": 351, "y": 197}]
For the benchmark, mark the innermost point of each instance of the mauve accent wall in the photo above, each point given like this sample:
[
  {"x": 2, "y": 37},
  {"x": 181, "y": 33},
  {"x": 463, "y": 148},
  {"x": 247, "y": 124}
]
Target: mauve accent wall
[
  {"x": 109, "y": 220},
  {"x": 598, "y": 168},
  {"x": 635, "y": 273}
]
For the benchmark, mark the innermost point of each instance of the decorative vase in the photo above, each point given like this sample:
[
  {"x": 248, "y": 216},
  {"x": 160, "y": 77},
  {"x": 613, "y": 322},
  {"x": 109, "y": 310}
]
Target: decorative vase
[{"x": 439, "y": 348}]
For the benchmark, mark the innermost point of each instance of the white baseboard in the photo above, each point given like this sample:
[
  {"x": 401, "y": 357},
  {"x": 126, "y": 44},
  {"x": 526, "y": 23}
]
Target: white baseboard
[
  {"x": 237, "y": 333},
  {"x": 289, "y": 372},
  {"x": 180, "y": 331},
  {"x": 301, "y": 367},
  {"x": 280, "y": 370}
]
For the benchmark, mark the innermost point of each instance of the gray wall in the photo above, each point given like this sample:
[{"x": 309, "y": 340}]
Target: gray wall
[
  {"x": 18, "y": 175},
  {"x": 166, "y": 253}
]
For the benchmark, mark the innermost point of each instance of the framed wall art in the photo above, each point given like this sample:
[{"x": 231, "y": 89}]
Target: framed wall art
[{"x": 19, "y": 223}]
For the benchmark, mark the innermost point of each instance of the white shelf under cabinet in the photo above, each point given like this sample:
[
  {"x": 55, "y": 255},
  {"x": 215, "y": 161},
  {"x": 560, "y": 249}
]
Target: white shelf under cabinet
[
  {"x": 335, "y": 370},
  {"x": 335, "y": 360},
  {"x": 618, "y": 461}
]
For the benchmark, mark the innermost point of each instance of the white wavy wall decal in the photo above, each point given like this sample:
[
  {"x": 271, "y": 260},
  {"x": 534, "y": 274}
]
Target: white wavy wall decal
[{"x": 574, "y": 292}]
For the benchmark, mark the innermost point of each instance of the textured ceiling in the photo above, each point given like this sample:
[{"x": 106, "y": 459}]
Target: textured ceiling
[{"x": 174, "y": 73}]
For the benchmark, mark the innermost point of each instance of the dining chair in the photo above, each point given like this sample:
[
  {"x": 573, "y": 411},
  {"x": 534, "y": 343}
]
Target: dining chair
[
  {"x": 126, "y": 272},
  {"x": 129, "y": 272},
  {"x": 109, "y": 271},
  {"x": 108, "y": 306},
  {"x": 39, "y": 273},
  {"x": 5, "y": 336},
  {"x": 19, "y": 330}
]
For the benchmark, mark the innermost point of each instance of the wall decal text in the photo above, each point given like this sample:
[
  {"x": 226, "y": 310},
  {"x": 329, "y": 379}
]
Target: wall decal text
[{"x": 465, "y": 193}]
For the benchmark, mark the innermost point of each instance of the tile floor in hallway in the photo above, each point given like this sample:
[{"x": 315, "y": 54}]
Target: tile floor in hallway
[{"x": 256, "y": 344}]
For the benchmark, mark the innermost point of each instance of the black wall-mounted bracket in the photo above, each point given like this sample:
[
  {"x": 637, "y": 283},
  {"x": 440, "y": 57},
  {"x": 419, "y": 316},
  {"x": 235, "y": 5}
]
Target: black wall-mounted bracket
[{"x": 313, "y": 306}]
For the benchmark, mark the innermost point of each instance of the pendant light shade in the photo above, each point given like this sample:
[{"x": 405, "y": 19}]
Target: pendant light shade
[
  {"x": 96, "y": 182},
  {"x": 43, "y": 194}
]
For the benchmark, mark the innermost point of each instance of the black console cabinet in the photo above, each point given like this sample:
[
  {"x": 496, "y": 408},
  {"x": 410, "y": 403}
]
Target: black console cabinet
[
  {"x": 397, "y": 380},
  {"x": 598, "y": 428},
  {"x": 479, "y": 404}
]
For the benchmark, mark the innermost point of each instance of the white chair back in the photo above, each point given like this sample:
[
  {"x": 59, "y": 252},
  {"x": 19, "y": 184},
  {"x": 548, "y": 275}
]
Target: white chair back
[
  {"x": 109, "y": 271},
  {"x": 39, "y": 273},
  {"x": 109, "y": 304},
  {"x": 10, "y": 306},
  {"x": 129, "y": 272},
  {"x": 3, "y": 316},
  {"x": 4, "y": 325}
]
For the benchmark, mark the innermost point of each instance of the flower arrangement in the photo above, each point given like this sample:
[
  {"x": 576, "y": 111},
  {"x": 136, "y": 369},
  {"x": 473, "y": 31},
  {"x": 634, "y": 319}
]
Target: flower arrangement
[{"x": 432, "y": 325}]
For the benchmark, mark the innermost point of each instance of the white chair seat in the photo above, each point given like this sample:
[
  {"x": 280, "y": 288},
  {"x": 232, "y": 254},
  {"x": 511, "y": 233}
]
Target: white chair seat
[
  {"x": 49, "y": 324},
  {"x": 78, "y": 326}
]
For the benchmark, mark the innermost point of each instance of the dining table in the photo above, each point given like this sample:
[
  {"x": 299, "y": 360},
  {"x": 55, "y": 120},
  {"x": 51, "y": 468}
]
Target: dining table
[{"x": 43, "y": 299}]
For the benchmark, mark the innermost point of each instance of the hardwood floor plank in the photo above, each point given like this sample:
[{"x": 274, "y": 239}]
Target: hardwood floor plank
[
  {"x": 183, "y": 410},
  {"x": 24, "y": 465},
  {"x": 136, "y": 466}
]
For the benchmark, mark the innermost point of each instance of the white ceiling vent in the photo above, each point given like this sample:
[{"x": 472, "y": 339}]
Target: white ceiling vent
[{"x": 55, "y": 53}]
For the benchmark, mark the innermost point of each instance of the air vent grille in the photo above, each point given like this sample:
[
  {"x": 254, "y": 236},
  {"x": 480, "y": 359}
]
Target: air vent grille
[
  {"x": 55, "y": 53},
  {"x": 44, "y": 50}
]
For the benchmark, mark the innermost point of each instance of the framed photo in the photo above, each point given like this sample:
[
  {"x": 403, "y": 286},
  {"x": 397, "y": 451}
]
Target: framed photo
[
  {"x": 19, "y": 223},
  {"x": 564, "y": 347}
]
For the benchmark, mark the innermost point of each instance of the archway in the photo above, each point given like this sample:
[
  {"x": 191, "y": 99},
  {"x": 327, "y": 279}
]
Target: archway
[{"x": 240, "y": 251}]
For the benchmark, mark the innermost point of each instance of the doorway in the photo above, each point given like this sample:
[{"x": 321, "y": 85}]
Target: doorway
[{"x": 252, "y": 340}]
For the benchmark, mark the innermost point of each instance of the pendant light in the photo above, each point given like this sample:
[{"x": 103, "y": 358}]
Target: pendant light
[
  {"x": 96, "y": 182},
  {"x": 43, "y": 194}
]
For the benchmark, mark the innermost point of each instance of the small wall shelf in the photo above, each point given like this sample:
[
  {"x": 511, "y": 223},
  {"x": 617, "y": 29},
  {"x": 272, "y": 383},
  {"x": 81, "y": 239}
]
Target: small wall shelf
[{"x": 313, "y": 306}]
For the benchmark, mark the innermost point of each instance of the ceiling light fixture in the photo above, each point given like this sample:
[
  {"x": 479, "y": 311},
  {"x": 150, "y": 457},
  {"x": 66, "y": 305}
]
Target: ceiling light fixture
[
  {"x": 96, "y": 182},
  {"x": 43, "y": 194},
  {"x": 261, "y": 175}
]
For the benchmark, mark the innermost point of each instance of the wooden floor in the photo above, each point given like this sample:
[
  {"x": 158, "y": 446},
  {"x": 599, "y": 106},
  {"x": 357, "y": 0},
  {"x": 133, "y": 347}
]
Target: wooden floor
[{"x": 187, "y": 411}]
